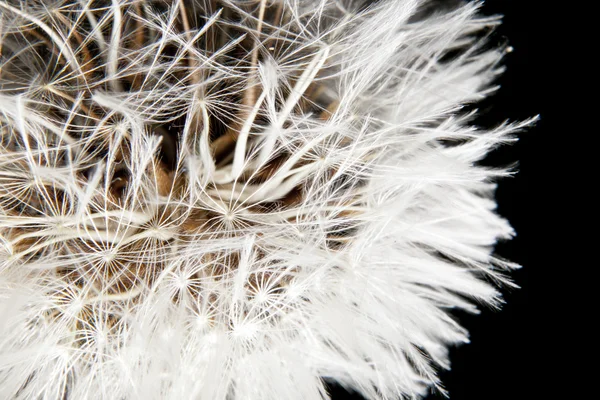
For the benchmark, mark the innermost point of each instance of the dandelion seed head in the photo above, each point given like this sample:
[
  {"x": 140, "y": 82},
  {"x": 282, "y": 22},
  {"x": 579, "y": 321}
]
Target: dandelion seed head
[{"x": 238, "y": 199}]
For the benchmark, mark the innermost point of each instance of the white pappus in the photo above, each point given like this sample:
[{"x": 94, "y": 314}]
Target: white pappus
[{"x": 239, "y": 199}]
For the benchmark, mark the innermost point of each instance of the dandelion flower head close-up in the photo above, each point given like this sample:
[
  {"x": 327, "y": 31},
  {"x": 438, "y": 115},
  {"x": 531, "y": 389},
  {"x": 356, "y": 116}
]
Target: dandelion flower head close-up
[{"x": 244, "y": 199}]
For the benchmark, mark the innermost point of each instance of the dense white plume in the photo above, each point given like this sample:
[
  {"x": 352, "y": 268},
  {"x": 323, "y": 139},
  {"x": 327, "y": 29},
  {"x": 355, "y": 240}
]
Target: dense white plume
[{"x": 238, "y": 199}]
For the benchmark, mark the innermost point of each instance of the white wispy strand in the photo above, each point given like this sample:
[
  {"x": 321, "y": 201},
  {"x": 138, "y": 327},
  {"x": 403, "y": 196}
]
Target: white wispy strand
[{"x": 328, "y": 240}]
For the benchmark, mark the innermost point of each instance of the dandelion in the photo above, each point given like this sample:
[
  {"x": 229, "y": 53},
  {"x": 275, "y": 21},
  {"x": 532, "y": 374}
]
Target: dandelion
[{"x": 241, "y": 199}]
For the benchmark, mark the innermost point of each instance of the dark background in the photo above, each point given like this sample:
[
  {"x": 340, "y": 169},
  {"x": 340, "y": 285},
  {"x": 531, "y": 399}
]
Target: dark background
[{"x": 503, "y": 360}]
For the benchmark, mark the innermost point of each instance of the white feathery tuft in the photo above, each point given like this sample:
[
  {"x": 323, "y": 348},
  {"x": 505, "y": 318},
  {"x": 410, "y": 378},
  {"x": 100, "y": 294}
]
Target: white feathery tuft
[{"x": 241, "y": 199}]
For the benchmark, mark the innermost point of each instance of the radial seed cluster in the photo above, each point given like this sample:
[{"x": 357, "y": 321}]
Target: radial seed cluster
[{"x": 240, "y": 199}]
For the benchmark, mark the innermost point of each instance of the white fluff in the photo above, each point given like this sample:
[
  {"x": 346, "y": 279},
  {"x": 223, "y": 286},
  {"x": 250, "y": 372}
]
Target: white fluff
[{"x": 199, "y": 282}]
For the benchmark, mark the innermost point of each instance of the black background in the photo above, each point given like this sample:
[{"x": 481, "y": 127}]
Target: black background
[{"x": 503, "y": 359}]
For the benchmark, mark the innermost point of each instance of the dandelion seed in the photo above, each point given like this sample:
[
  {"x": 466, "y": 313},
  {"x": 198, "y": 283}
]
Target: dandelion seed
[{"x": 236, "y": 199}]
